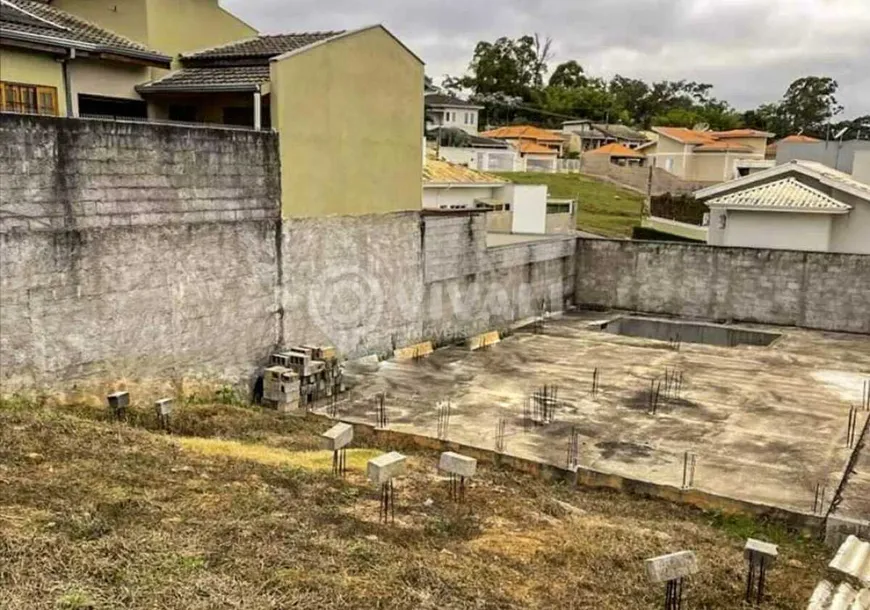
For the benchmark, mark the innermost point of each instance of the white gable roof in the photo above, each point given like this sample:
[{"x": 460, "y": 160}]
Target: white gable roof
[
  {"x": 786, "y": 195},
  {"x": 824, "y": 174}
]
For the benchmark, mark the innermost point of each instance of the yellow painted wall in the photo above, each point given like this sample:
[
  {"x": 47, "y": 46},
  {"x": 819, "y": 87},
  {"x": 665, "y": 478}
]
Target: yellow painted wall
[
  {"x": 105, "y": 78},
  {"x": 33, "y": 68},
  {"x": 350, "y": 118},
  {"x": 125, "y": 17},
  {"x": 182, "y": 26}
]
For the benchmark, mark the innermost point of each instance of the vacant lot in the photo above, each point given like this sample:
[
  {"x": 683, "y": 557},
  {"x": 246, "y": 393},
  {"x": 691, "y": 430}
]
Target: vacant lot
[
  {"x": 235, "y": 510},
  {"x": 604, "y": 209}
]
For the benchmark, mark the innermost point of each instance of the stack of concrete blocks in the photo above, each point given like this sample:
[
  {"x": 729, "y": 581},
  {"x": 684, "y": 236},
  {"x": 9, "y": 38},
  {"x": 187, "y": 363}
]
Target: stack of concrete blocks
[
  {"x": 850, "y": 566},
  {"x": 281, "y": 388},
  {"x": 319, "y": 371}
]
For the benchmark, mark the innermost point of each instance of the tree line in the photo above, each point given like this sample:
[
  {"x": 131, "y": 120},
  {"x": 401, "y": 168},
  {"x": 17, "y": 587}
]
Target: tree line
[{"x": 510, "y": 78}]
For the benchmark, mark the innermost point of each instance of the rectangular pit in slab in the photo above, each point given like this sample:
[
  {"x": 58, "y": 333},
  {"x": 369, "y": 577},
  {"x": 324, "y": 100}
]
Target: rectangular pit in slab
[{"x": 688, "y": 332}]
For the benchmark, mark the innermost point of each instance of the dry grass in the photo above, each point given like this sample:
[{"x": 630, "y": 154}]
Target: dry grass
[{"x": 95, "y": 514}]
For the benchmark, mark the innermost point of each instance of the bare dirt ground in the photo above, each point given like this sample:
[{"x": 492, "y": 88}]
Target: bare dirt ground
[{"x": 234, "y": 510}]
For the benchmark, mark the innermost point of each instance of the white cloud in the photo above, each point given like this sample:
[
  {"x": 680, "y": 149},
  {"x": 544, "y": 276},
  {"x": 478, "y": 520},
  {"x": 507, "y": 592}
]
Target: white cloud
[{"x": 750, "y": 50}]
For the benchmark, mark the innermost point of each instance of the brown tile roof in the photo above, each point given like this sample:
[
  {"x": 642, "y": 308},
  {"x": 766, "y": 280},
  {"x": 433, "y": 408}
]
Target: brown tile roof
[
  {"x": 616, "y": 150},
  {"x": 437, "y": 172},
  {"x": 515, "y": 132},
  {"x": 261, "y": 47},
  {"x": 741, "y": 133},
  {"x": 686, "y": 136},
  {"x": 798, "y": 138},
  {"x": 527, "y": 147},
  {"x": 723, "y": 147},
  {"x": 227, "y": 78},
  {"x": 38, "y": 21}
]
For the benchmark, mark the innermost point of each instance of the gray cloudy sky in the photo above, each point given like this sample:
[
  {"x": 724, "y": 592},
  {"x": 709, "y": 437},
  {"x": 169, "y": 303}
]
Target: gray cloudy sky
[{"x": 749, "y": 49}]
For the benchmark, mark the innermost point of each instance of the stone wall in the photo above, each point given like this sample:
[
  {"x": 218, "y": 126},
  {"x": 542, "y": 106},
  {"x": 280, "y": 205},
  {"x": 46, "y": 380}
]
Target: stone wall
[
  {"x": 470, "y": 288},
  {"x": 810, "y": 289}
]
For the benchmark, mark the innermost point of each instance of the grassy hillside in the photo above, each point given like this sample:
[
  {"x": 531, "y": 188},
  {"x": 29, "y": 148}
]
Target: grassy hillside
[
  {"x": 237, "y": 509},
  {"x": 605, "y": 209}
]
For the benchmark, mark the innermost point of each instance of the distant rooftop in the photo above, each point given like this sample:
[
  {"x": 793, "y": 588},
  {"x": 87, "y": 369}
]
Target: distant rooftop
[
  {"x": 261, "y": 47},
  {"x": 441, "y": 99}
]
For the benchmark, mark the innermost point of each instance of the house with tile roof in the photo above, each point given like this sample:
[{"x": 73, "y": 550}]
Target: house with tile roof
[
  {"x": 800, "y": 205},
  {"x": 539, "y": 148},
  {"x": 448, "y": 111},
  {"x": 584, "y": 135},
  {"x": 471, "y": 150},
  {"x": 708, "y": 156},
  {"x": 619, "y": 154},
  {"x": 510, "y": 208},
  {"x": 53, "y": 62}
]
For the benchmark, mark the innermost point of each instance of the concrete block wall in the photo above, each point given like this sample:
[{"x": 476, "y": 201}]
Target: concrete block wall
[
  {"x": 470, "y": 288},
  {"x": 59, "y": 173},
  {"x": 810, "y": 289},
  {"x": 135, "y": 250},
  {"x": 355, "y": 282}
]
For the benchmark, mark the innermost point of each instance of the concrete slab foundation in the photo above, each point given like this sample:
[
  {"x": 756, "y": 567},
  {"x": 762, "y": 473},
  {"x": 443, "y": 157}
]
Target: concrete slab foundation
[{"x": 767, "y": 424}]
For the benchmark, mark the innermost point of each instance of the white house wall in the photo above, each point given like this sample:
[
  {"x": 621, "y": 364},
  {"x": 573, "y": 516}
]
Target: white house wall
[
  {"x": 445, "y": 198},
  {"x": 851, "y": 232},
  {"x": 529, "y": 206},
  {"x": 778, "y": 230}
]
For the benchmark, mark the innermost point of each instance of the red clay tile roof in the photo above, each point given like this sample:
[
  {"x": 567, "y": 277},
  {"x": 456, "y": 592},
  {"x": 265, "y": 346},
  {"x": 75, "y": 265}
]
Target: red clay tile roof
[
  {"x": 799, "y": 139},
  {"x": 617, "y": 150},
  {"x": 262, "y": 47},
  {"x": 528, "y": 147},
  {"x": 741, "y": 133},
  {"x": 529, "y": 132},
  {"x": 28, "y": 18},
  {"x": 686, "y": 136},
  {"x": 723, "y": 147}
]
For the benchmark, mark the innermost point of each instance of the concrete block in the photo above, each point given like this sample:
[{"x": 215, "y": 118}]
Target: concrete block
[
  {"x": 417, "y": 350},
  {"x": 337, "y": 437},
  {"x": 385, "y": 467},
  {"x": 455, "y": 463},
  {"x": 484, "y": 340},
  {"x": 119, "y": 400},
  {"x": 671, "y": 567},
  {"x": 764, "y": 549},
  {"x": 164, "y": 407}
]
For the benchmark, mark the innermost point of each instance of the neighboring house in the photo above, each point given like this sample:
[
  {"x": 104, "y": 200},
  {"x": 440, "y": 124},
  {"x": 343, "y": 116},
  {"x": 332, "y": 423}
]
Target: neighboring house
[
  {"x": 770, "y": 152},
  {"x": 538, "y": 148},
  {"x": 801, "y": 205},
  {"x": 836, "y": 154},
  {"x": 476, "y": 152},
  {"x": 510, "y": 208},
  {"x": 584, "y": 135},
  {"x": 449, "y": 111},
  {"x": 706, "y": 156},
  {"x": 55, "y": 63},
  {"x": 618, "y": 154}
]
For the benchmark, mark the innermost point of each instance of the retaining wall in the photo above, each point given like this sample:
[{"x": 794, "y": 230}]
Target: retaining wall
[{"x": 811, "y": 289}]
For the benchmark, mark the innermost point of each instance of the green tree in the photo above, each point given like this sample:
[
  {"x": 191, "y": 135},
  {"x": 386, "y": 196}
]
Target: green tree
[
  {"x": 809, "y": 104},
  {"x": 569, "y": 74}
]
